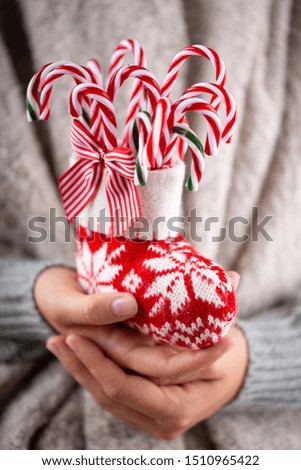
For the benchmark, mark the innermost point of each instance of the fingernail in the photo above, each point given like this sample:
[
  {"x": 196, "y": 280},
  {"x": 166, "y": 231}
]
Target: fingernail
[
  {"x": 53, "y": 349},
  {"x": 124, "y": 307},
  {"x": 72, "y": 345}
]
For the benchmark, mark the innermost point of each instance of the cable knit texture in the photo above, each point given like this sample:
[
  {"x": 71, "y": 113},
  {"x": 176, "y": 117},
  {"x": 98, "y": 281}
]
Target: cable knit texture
[{"x": 260, "y": 43}]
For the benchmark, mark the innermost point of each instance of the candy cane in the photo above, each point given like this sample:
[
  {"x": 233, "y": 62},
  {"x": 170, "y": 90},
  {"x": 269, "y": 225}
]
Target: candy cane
[
  {"x": 185, "y": 105},
  {"x": 157, "y": 138},
  {"x": 180, "y": 146},
  {"x": 137, "y": 95},
  {"x": 197, "y": 153},
  {"x": 224, "y": 96},
  {"x": 80, "y": 75},
  {"x": 142, "y": 128},
  {"x": 186, "y": 53},
  {"x": 32, "y": 96},
  {"x": 174, "y": 69},
  {"x": 93, "y": 91},
  {"x": 118, "y": 55},
  {"x": 96, "y": 70},
  {"x": 148, "y": 79},
  {"x": 40, "y": 88},
  {"x": 150, "y": 140},
  {"x": 142, "y": 125},
  {"x": 96, "y": 122}
]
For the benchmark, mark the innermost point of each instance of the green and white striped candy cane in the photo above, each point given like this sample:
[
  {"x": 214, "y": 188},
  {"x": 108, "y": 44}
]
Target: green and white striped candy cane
[{"x": 197, "y": 154}]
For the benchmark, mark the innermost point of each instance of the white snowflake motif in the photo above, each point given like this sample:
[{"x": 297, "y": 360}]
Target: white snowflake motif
[
  {"x": 97, "y": 271},
  {"x": 132, "y": 282},
  {"x": 171, "y": 268}
]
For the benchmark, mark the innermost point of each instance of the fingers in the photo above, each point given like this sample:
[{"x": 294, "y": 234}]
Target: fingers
[
  {"x": 82, "y": 375},
  {"x": 164, "y": 412},
  {"x": 235, "y": 277},
  {"x": 79, "y": 372},
  {"x": 132, "y": 391},
  {"x": 132, "y": 351}
]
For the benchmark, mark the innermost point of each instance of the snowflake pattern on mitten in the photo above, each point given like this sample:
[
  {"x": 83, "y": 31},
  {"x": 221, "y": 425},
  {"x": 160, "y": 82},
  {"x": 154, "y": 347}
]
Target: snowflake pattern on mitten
[{"x": 184, "y": 299}]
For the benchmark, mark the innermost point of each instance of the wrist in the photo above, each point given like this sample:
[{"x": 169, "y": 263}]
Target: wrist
[{"x": 239, "y": 363}]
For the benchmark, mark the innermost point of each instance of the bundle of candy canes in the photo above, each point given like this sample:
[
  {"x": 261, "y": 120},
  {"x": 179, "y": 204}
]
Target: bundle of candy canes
[{"x": 184, "y": 299}]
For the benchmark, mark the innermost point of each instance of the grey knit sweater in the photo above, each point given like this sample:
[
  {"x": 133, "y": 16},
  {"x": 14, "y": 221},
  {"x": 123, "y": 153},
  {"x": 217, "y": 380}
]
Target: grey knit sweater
[
  {"x": 261, "y": 46},
  {"x": 274, "y": 375}
]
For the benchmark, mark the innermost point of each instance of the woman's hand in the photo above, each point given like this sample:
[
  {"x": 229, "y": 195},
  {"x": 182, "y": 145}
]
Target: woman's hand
[
  {"x": 162, "y": 363},
  {"x": 165, "y": 411},
  {"x": 175, "y": 389},
  {"x": 68, "y": 309},
  {"x": 65, "y": 306}
]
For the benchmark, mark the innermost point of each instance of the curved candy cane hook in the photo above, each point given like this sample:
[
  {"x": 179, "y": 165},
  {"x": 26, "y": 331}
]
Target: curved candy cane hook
[
  {"x": 41, "y": 85},
  {"x": 225, "y": 97},
  {"x": 138, "y": 92},
  {"x": 94, "y": 92},
  {"x": 182, "y": 106},
  {"x": 186, "y": 53}
]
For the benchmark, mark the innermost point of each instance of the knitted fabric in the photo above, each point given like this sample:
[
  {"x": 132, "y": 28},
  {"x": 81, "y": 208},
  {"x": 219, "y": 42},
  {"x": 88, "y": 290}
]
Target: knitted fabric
[{"x": 184, "y": 299}]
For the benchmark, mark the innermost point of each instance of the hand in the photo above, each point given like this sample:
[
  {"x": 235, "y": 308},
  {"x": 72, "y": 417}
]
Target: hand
[
  {"x": 165, "y": 411},
  {"x": 68, "y": 309},
  {"x": 65, "y": 306},
  {"x": 162, "y": 363},
  {"x": 214, "y": 376}
]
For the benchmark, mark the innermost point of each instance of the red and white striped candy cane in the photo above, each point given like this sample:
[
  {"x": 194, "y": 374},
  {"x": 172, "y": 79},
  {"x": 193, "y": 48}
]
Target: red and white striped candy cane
[
  {"x": 158, "y": 136},
  {"x": 224, "y": 96},
  {"x": 182, "y": 106},
  {"x": 137, "y": 95},
  {"x": 186, "y": 53},
  {"x": 96, "y": 123},
  {"x": 94, "y": 92},
  {"x": 32, "y": 96},
  {"x": 95, "y": 67},
  {"x": 50, "y": 74},
  {"x": 179, "y": 147},
  {"x": 133, "y": 71},
  {"x": 127, "y": 45}
]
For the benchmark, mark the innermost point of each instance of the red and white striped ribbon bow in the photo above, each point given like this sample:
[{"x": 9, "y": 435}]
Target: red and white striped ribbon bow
[{"x": 80, "y": 183}]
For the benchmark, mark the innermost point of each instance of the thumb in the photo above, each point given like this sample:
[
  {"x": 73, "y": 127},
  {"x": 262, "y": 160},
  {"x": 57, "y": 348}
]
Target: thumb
[
  {"x": 62, "y": 302},
  {"x": 234, "y": 277},
  {"x": 106, "y": 308}
]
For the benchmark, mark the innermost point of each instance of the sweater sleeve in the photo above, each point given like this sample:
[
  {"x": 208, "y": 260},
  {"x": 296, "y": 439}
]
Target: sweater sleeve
[
  {"x": 23, "y": 331},
  {"x": 274, "y": 372}
]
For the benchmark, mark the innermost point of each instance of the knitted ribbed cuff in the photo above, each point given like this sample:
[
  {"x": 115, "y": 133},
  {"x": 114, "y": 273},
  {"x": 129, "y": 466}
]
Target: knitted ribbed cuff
[
  {"x": 274, "y": 372},
  {"x": 23, "y": 331}
]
